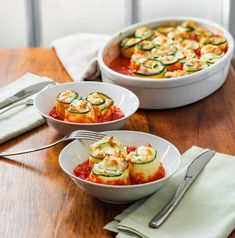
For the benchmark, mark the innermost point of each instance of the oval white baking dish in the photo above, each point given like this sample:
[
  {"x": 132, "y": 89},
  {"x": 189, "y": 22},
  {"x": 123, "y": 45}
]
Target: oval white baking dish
[{"x": 173, "y": 92}]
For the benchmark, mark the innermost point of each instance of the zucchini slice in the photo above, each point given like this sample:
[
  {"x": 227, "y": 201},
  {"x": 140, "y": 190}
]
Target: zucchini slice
[
  {"x": 194, "y": 65},
  {"x": 108, "y": 101},
  {"x": 143, "y": 33},
  {"x": 107, "y": 146},
  {"x": 150, "y": 67},
  {"x": 80, "y": 106},
  {"x": 163, "y": 50},
  {"x": 145, "y": 45},
  {"x": 182, "y": 54},
  {"x": 67, "y": 96},
  {"x": 189, "y": 44},
  {"x": 162, "y": 40},
  {"x": 129, "y": 42},
  {"x": 217, "y": 40},
  {"x": 211, "y": 49},
  {"x": 189, "y": 25},
  {"x": 164, "y": 29},
  {"x": 143, "y": 155},
  {"x": 184, "y": 29},
  {"x": 210, "y": 58},
  {"x": 111, "y": 170},
  {"x": 144, "y": 164},
  {"x": 168, "y": 60},
  {"x": 95, "y": 99}
]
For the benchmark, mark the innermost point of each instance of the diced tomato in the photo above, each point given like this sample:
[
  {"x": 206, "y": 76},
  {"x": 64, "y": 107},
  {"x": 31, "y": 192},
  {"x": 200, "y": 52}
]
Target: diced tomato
[
  {"x": 117, "y": 113},
  {"x": 53, "y": 113},
  {"x": 193, "y": 36},
  {"x": 131, "y": 148},
  {"x": 83, "y": 170}
]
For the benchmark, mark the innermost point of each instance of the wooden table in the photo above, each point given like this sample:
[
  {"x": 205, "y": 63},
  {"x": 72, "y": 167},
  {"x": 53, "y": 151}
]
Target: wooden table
[{"x": 38, "y": 200}]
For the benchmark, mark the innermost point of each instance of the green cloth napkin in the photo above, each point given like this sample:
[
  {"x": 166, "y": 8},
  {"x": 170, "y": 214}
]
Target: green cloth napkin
[
  {"x": 22, "y": 118},
  {"x": 206, "y": 211}
]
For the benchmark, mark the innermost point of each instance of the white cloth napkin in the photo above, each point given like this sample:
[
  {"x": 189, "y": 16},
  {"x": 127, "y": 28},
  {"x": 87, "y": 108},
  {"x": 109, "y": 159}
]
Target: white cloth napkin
[
  {"x": 207, "y": 210},
  {"x": 22, "y": 118},
  {"x": 78, "y": 54}
]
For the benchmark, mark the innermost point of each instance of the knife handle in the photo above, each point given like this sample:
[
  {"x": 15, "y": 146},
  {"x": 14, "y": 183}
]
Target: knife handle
[{"x": 170, "y": 206}]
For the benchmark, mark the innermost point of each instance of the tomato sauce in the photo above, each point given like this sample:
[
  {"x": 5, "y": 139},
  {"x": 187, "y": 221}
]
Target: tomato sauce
[
  {"x": 117, "y": 113},
  {"x": 83, "y": 170},
  {"x": 121, "y": 65}
]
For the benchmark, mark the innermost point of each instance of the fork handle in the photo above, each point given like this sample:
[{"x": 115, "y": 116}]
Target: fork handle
[{"x": 33, "y": 149}]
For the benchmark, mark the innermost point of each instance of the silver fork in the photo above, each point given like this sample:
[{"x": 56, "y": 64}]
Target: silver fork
[{"x": 75, "y": 135}]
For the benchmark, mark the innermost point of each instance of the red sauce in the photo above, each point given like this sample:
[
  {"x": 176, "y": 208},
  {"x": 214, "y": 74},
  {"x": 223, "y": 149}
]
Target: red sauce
[
  {"x": 53, "y": 113},
  {"x": 117, "y": 113},
  {"x": 83, "y": 170},
  {"x": 130, "y": 149},
  {"x": 121, "y": 65}
]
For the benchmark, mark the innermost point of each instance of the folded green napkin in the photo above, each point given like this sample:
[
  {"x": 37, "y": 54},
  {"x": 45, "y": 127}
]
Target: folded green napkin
[
  {"x": 207, "y": 210},
  {"x": 22, "y": 118}
]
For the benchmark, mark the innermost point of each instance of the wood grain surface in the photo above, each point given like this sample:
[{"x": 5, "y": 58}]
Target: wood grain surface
[{"x": 38, "y": 200}]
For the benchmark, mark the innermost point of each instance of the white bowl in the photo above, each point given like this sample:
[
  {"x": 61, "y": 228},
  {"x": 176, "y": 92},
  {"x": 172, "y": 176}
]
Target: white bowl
[
  {"x": 123, "y": 98},
  {"x": 173, "y": 92},
  {"x": 76, "y": 152}
]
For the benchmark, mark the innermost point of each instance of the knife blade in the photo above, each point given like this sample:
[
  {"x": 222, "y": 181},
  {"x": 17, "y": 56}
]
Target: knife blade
[
  {"x": 193, "y": 170},
  {"x": 23, "y": 93}
]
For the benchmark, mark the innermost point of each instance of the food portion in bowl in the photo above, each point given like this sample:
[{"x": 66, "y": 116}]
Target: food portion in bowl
[
  {"x": 169, "y": 51},
  {"x": 96, "y": 107},
  {"x": 110, "y": 162}
]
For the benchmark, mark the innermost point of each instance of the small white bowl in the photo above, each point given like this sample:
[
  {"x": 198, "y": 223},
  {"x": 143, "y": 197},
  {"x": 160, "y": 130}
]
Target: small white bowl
[
  {"x": 77, "y": 152},
  {"x": 123, "y": 98}
]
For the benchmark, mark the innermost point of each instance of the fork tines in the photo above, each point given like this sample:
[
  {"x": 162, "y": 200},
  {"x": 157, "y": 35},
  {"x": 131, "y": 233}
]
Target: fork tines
[{"x": 83, "y": 134}]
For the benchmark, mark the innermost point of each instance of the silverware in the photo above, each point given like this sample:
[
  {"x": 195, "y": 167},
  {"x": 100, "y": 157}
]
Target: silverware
[
  {"x": 27, "y": 102},
  {"x": 193, "y": 170},
  {"x": 23, "y": 93},
  {"x": 75, "y": 135}
]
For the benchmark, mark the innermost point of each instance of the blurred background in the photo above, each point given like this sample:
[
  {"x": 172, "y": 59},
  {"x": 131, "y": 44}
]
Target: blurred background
[{"x": 29, "y": 23}]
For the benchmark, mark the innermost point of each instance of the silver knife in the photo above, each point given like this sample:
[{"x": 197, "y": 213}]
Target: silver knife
[
  {"x": 193, "y": 170},
  {"x": 23, "y": 93}
]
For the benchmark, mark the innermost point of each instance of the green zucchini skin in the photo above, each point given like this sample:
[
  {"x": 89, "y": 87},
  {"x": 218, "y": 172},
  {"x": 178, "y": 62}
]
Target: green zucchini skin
[
  {"x": 96, "y": 104},
  {"x": 75, "y": 96},
  {"x": 144, "y": 47},
  {"x": 126, "y": 43},
  {"x": 155, "y": 70},
  {"x": 154, "y": 157},
  {"x": 149, "y": 34},
  {"x": 109, "y": 176},
  {"x": 76, "y": 112}
]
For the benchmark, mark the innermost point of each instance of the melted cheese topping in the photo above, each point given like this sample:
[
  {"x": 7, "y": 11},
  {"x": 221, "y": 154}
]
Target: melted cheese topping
[
  {"x": 176, "y": 73},
  {"x": 66, "y": 96},
  {"x": 195, "y": 65},
  {"x": 110, "y": 166},
  {"x": 210, "y": 58},
  {"x": 107, "y": 146},
  {"x": 80, "y": 106},
  {"x": 211, "y": 49},
  {"x": 160, "y": 40},
  {"x": 95, "y": 98},
  {"x": 143, "y": 154}
]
